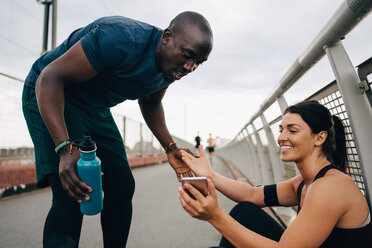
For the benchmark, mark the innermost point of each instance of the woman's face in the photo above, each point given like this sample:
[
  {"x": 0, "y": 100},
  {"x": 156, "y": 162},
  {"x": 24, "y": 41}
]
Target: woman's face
[{"x": 296, "y": 140}]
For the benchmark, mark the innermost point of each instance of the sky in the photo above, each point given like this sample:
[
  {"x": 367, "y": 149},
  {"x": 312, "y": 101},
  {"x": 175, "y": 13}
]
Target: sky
[{"x": 255, "y": 43}]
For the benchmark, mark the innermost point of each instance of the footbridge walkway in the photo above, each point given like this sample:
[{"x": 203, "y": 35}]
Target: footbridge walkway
[{"x": 158, "y": 218}]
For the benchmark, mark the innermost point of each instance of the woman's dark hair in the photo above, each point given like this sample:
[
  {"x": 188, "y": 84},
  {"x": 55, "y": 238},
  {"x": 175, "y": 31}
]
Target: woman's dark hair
[{"x": 320, "y": 119}]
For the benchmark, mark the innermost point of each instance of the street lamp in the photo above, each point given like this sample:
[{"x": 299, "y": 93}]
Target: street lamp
[{"x": 47, "y": 4}]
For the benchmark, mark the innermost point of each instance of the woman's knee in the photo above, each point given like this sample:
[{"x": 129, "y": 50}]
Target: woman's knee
[
  {"x": 245, "y": 209},
  {"x": 254, "y": 218}
]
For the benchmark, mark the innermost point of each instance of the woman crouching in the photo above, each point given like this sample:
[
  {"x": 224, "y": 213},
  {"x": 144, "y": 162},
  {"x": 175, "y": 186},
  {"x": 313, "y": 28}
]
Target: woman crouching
[{"x": 332, "y": 211}]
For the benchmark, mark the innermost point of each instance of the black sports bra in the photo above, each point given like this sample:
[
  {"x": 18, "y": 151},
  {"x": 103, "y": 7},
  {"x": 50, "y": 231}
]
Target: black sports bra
[
  {"x": 320, "y": 174},
  {"x": 341, "y": 237}
]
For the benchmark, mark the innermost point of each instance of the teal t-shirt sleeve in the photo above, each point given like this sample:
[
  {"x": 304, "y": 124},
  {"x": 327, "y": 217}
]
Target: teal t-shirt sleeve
[{"x": 108, "y": 46}]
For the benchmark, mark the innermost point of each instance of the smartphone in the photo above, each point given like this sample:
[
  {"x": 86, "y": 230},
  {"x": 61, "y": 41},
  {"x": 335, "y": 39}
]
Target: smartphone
[{"x": 200, "y": 183}]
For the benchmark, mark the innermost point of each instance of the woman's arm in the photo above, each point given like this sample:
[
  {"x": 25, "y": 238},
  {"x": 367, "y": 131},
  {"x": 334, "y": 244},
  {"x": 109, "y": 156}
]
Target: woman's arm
[
  {"x": 233, "y": 189},
  {"x": 240, "y": 191},
  {"x": 287, "y": 191},
  {"x": 206, "y": 208},
  {"x": 322, "y": 209}
]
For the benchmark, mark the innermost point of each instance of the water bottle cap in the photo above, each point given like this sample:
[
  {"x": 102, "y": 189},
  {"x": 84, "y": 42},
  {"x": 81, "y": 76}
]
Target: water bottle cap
[{"x": 87, "y": 144}]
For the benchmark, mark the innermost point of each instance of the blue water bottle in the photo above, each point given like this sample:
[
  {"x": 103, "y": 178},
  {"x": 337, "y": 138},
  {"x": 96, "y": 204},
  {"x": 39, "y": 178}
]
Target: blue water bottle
[{"x": 89, "y": 171}]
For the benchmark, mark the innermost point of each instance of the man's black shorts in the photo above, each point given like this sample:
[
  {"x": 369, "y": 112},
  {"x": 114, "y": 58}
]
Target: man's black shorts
[{"x": 80, "y": 119}]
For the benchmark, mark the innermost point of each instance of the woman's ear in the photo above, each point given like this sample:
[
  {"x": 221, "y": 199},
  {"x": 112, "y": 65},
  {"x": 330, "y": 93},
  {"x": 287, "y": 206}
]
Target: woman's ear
[{"x": 321, "y": 138}]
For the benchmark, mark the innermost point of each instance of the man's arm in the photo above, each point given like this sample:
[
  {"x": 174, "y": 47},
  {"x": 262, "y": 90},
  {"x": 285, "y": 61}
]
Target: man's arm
[
  {"x": 153, "y": 113},
  {"x": 72, "y": 67}
]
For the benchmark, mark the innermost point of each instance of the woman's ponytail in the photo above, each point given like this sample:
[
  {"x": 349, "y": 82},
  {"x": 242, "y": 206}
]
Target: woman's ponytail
[{"x": 339, "y": 156}]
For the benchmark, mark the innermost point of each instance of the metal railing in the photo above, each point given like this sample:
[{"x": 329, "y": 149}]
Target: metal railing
[
  {"x": 139, "y": 140},
  {"x": 348, "y": 97}
]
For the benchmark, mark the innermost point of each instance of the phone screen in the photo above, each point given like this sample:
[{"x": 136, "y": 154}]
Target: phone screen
[{"x": 200, "y": 183}]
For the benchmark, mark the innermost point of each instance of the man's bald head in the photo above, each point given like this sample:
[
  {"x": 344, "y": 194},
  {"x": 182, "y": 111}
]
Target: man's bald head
[{"x": 184, "y": 19}]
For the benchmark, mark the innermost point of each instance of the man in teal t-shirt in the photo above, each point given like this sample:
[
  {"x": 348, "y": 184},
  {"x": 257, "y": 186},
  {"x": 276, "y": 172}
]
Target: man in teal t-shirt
[{"x": 69, "y": 92}]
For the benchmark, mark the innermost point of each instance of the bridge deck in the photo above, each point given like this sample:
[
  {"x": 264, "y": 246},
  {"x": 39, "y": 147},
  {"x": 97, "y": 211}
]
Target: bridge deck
[{"x": 158, "y": 218}]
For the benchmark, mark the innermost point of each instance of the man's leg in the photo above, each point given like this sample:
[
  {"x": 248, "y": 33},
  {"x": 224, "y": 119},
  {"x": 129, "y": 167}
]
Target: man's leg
[
  {"x": 63, "y": 223},
  {"x": 117, "y": 181},
  {"x": 255, "y": 219},
  {"x": 116, "y": 217}
]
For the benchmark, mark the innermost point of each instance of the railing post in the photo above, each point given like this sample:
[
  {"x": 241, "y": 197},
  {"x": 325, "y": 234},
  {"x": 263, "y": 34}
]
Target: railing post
[
  {"x": 357, "y": 107},
  {"x": 141, "y": 140},
  {"x": 237, "y": 157},
  {"x": 276, "y": 163},
  {"x": 243, "y": 155},
  {"x": 124, "y": 129},
  {"x": 266, "y": 172},
  {"x": 152, "y": 145},
  {"x": 251, "y": 167},
  {"x": 282, "y": 103},
  {"x": 256, "y": 163}
]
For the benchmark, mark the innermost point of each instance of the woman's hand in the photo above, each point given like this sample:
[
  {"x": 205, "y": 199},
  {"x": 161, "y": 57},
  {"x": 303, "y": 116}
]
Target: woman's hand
[
  {"x": 203, "y": 208},
  {"x": 199, "y": 165},
  {"x": 175, "y": 160}
]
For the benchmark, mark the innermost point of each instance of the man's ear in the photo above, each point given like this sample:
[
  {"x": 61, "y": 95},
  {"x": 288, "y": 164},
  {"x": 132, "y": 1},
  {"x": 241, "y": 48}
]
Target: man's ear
[
  {"x": 321, "y": 138},
  {"x": 167, "y": 34}
]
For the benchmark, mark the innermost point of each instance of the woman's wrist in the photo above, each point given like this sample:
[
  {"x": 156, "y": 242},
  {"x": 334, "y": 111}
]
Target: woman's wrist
[
  {"x": 217, "y": 217},
  {"x": 213, "y": 177}
]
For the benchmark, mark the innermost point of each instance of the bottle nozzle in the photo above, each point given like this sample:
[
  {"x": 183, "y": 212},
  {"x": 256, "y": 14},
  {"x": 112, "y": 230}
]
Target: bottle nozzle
[{"x": 87, "y": 144}]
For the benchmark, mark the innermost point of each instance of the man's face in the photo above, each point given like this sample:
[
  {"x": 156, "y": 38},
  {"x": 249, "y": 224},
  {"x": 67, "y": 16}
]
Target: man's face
[{"x": 181, "y": 53}]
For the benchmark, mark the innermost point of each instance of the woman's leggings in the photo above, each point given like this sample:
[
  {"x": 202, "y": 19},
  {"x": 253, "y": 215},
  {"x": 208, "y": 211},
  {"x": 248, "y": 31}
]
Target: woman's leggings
[
  {"x": 63, "y": 223},
  {"x": 255, "y": 219}
]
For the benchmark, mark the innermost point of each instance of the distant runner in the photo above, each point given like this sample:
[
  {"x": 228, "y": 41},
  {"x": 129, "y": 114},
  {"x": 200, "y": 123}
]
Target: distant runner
[
  {"x": 211, "y": 144},
  {"x": 197, "y": 141}
]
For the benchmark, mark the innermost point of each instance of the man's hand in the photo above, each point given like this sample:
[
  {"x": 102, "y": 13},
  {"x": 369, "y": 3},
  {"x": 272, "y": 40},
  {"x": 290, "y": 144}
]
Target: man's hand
[
  {"x": 69, "y": 178},
  {"x": 175, "y": 160}
]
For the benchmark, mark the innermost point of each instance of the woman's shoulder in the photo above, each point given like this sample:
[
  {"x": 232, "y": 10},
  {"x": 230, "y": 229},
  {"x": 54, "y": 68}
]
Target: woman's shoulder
[
  {"x": 342, "y": 194},
  {"x": 336, "y": 188},
  {"x": 335, "y": 179},
  {"x": 334, "y": 182}
]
